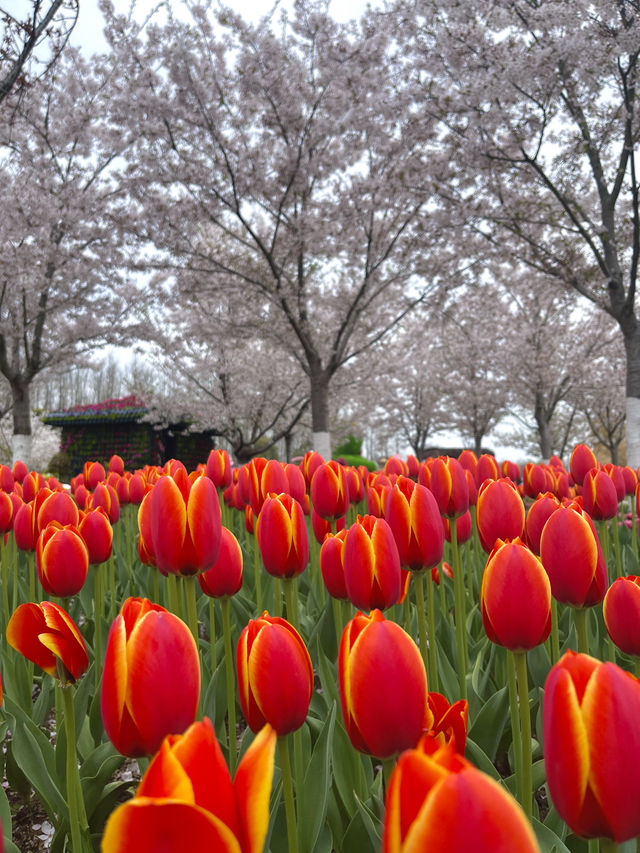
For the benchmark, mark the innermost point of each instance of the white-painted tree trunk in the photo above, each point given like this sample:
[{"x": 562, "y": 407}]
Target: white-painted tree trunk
[
  {"x": 633, "y": 431},
  {"x": 322, "y": 444},
  {"x": 21, "y": 449}
]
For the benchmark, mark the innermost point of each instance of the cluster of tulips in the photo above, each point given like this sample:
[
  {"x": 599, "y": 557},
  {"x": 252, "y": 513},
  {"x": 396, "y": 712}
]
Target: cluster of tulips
[{"x": 475, "y": 624}]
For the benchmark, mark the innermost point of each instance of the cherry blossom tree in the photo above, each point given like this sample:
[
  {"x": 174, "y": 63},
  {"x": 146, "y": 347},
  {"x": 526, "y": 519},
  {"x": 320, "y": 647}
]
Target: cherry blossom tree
[
  {"x": 282, "y": 161},
  {"x": 34, "y": 41},
  {"x": 62, "y": 292},
  {"x": 542, "y": 100}
]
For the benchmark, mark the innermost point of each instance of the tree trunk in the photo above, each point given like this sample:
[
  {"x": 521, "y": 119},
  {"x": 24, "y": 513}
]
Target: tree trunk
[
  {"x": 544, "y": 435},
  {"x": 632, "y": 348},
  {"x": 320, "y": 413},
  {"x": 21, "y": 443}
]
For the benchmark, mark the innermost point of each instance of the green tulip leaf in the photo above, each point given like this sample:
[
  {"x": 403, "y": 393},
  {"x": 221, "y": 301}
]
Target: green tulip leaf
[
  {"x": 489, "y": 724},
  {"x": 547, "y": 839},
  {"x": 315, "y": 791}
]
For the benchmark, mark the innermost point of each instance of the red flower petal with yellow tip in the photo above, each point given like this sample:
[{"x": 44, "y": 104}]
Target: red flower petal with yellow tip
[
  {"x": 168, "y": 516},
  {"x": 45, "y": 634}
]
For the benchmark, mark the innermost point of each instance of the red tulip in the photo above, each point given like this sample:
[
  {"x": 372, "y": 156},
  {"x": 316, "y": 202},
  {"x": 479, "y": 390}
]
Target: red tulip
[
  {"x": 487, "y": 468},
  {"x": 515, "y": 598},
  {"x": 329, "y": 490},
  {"x": 45, "y": 634},
  {"x": 24, "y": 527},
  {"x": 447, "y": 723},
  {"x": 93, "y": 474},
  {"x": 469, "y": 462},
  {"x": 187, "y": 801},
  {"x": 355, "y": 485},
  {"x": 321, "y": 527},
  {"x": 617, "y": 478},
  {"x": 571, "y": 555},
  {"x": 499, "y": 512},
  {"x": 331, "y": 565},
  {"x": 97, "y": 532},
  {"x": 181, "y": 527},
  {"x": 383, "y": 685},
  {"x": 412, "y": 514},
  {"x": 56, "y": 506},
  {"x": 582, "y": 460},
  {"x": 275, "y": 675},
  {"x": 592, "y": 746},
  {"x": 311, "y": 462},
  {"x": 224, "y": 578},
  {"x": 621, "y": 611},
  {"x": 151, "y": 678},
  {"x": 371, "y": 564},
  {"x": 19, "y": 470},
  {"x": 62, "y": 559},
  {"x": 282, "y": 536},
  {"x": 464, "y": 528},
  {"x": 437, "y": 801},
  {"x": 6, "y": 512},
  {"x": 396, "y": 466},
  {"x": 297, "y": 487},
  {"x": 539, "y": 511},
  {"x": 106, "y": 497},
  {"x": 137, "y": 489},
  {"x": 449, "y": 486},
  {"x": 630, "y": 480},
  {"x": 219, "y": 469},
  {"x": 599, "y": 496},
  {"x": 265, "y": 477},
  {"x": 511, "y": 470},
  {"x": 537, "y": 479}
]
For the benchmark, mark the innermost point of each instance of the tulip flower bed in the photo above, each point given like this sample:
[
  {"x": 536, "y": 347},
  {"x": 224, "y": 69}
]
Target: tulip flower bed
[{"x": 436, "y": 656}]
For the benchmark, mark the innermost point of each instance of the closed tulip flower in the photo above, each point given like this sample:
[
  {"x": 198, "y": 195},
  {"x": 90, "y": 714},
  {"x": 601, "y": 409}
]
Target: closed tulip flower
[
  {"x": 412, "y": 514},
  {"x": 6, "y": 512},
  {"x": 464, "y": 528},
  {"x": 582, "y": 460},
  {"x": 219, "y": 468},
  {"x": 487, "y": 468},
  {"x": 383, "y": 686},
  {"x": 539, "y": 512},
  {"x": 599, "y": 497},
  {"x": 62, "y": 559},
  {"x": 151, "y": 678},
  {"x": 97, "y": 532},
  {"x": 437, "y": 801},
  {"x": 93, "y": 474},
  {"x": 181, "y": 526},
  {"x": 275, "y": 675},
  {"x": 371, "y": 564},
  {"x": 265, "y": 477},
  {"x": 499, "y": 512},
  {"x": 311, "y": 461},
  {"x": 515, "y": 598},
  {"x": 614, "y": 472},
  {"x": 24, "y": 527},
  {"x": 469, "y": 462},
  {"x": 621, "y": 611},
  {"x": 572, "y": 557},
  {"x": 187, "y": 801},
  {"x": 224, "y": 578},
  {"x": 106, "y": 497},
  {"x": 282, "y": 536},
  {"x": 449, "y": 486},
  {"x": 537, "y": 479},
  {"x": 56, "y": 506},
  {"x": 592, "y": 746},
  {"x": 511, "y": 470},
  {"x": 321, "y": 527},
  {"x": 329, "y": 490},
  {"x": 45, "y": 634},
  {"x": 331, "y": 565}
]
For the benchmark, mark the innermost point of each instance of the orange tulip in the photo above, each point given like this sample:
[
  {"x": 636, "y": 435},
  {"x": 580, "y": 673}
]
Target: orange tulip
[
  {"x": 599, "y": 497},
  {"x": 329, "y": 490},
  {"x": 219, "y": 469},
  {"x": 438, "y": 801},
  {"x": 383, "y": 686},
  {"x": 515, "y": 598},
  {"x": 592, "y": 746},
  {"x": 56, "y": 506},
  {"x": 151, "y": 678},
  {"x": 621, "y": 611},
  {"x": 371, "y": 562},
  {"x": 282, "y": 536},
  {"x": 224, "y": 578},
  {"x": 447, "y": 723},
  {"x": 449, "y": 486},
  {"x": 186, "y": 800},
  {"x": 181, "y": 524},
  {"x": 45, "y": 634},
  {"x": 62, "y": 560},
  {"x": 275, "y": 675},
  {"x": 499, "y": 512},
  {"x": 412, "y": 514},
  {"x": 539, "y": 512},
  {"x": 97, "y": 532}
]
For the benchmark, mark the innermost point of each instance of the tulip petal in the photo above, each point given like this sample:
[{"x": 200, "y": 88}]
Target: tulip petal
[
  {"x": 23, "y": 632},
  {"x": 252, "y": 786},
  {"x": 168, "y": 524},
  {"x": 145, "y": 825},
  {"x": 204, "y": 521}
]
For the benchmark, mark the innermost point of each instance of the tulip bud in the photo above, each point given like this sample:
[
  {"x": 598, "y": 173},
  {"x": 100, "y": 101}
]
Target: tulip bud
[
  {"x": 62, "y": 560},
  {"x": 329, "y": 490},
  {"x": 383, "y": 686},
  {"x": 591, "y": 746},
  {"x": 219, "y": 468},
  {"x": 275, "y": 675},
  {"x": 582, "y": 460},
  {"x": 499, "y": 512},
  {"x": 224, "y": 578},
  {"x": 282, "y": 536},
  {"x": 371, "y": 564},
  {"x": 412, "y": 514},
  {"x": 331, "y": 565},
  {"x": 515, "y": 598},
  {"x": 97, "y": 532},
  {"x": 539, "y": 512},
  {"x": 449, "y": 486},
  {"x": 621, "y": 611},
  {"x": 599, "y": 496}
]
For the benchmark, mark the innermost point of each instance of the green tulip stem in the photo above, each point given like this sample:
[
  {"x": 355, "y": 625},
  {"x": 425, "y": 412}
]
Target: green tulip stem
[
  {"x": 603, "y": 534},
  {"x": 418, "y": 585},
  {"x": 290, "y": 602},
  {"x": 289, "y": 804},
  {"x": 634, "y": 526},
  {"x": 580, "y": 619},
  {"x": 77, "y": 815},
  {"x": 387, "y": 769},
  {"x": 172, "y": 593},
  {"x": 525, "y": 730},
  {"x": 459, "y": 611},
  {"x": 468, "y": 558},
  {"x": 190, "y": 584},
  {"x": 225, "y": 605},
  {"x": 156, "y": 584},
  {"x": 431, "y": 620},
  {"x": 97, "y": 621},
  {"x": 516, "y": 740},
  {"x": 608, "y": 846},
  {"x": 616, "y": 546},
  {"x": 112, "y": 588},
  {"x": 4, "y": 571},
  {"x": 337, "y": 620},
  {"x": 257, "y": 576},
  {"x": 555, "y": 632},
  {"x": 593, "y": 845},
  {"x": 31, "y": 562},
  {"x": 277, "y": 590},
  {"x": 212, "y": 634}
]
